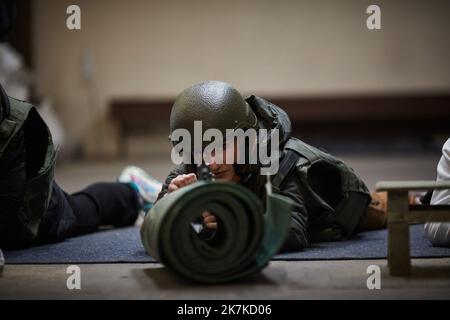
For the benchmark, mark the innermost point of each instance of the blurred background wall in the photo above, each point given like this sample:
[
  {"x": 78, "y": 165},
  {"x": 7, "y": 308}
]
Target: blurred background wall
[{"x": 150, "y": 50}]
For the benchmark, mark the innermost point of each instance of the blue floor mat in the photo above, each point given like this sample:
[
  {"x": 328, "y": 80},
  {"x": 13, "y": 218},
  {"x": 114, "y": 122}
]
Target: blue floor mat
[{"x": 124, "y": 246}]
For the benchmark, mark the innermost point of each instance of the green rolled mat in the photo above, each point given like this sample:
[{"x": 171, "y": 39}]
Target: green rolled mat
[{"x": 244, "y": 242}]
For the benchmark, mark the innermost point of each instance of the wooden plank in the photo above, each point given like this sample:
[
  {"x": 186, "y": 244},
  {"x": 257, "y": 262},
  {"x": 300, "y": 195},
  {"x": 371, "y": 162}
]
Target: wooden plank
[
  {"x": 412, "y": 185},
  {"x": 428, "y": 216}
]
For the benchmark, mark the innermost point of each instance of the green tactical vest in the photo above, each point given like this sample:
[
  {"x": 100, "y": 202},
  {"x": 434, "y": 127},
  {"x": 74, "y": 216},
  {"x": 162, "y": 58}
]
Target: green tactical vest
[
  {"x": 37, "y": 189},
  {"x": 335, "y": 197}
]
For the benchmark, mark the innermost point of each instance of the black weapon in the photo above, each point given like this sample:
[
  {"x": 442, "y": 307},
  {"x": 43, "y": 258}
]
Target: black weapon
[{"x": 203, "y": 173}]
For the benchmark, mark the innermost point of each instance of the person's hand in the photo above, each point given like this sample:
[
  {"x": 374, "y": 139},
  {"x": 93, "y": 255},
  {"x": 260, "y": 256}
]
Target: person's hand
[
  {"x": 181, "y": 181},
  {"x": 209, "y": 220}
]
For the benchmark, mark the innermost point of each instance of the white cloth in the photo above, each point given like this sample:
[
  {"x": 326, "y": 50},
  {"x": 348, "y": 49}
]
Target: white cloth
[
  {"x": 439, "y": 232},
  {"x": 443, "y": 174}
]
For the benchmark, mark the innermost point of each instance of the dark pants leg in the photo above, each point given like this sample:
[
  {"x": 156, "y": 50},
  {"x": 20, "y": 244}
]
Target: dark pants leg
[{"x": 83, "y": 212}]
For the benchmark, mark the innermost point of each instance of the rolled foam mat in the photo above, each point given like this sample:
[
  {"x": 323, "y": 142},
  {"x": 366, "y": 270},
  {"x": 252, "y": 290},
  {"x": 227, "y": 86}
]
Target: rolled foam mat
[{"x": 244, "y": 242}]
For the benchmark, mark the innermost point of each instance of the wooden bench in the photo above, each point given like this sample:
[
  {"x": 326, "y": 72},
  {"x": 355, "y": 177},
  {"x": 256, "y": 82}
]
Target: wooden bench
[
  {"x": 401, "y": 214},
  {"x": 134, "y": 114},
  {"x": 326, "y": 116}
]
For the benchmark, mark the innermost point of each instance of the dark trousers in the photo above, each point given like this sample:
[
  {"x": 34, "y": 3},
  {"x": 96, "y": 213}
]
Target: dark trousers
[
  {"x": 99, "y": 204},
  {"x": 113, "y": 204}
]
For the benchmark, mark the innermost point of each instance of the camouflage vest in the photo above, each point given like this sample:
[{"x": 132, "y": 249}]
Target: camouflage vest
[{"x": 37, "y": 190}]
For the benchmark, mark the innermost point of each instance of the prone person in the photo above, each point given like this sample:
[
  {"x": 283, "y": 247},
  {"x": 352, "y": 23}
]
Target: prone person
[
  {"x": 331, "y": 200},
  {"x": 33, "y": 208}
]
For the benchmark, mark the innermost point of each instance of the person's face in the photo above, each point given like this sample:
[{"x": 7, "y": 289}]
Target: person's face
[{"x": 225, "y": 170}]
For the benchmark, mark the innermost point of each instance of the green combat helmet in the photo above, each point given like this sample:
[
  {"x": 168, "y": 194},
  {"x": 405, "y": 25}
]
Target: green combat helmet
[{"x": 217, "y": 104}]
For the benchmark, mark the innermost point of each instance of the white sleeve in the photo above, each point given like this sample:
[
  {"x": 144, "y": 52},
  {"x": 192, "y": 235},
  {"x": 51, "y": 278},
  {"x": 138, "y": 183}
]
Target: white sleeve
[
  {"x": 439, "y": 232},
  {"x": 443, "y": 174}
]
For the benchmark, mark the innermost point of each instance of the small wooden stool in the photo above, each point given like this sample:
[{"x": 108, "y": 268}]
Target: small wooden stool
[{"x": 401, "y": 214}]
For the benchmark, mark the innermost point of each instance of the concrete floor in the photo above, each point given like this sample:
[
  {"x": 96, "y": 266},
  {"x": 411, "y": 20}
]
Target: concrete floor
[{"x": 280, "y": 280}]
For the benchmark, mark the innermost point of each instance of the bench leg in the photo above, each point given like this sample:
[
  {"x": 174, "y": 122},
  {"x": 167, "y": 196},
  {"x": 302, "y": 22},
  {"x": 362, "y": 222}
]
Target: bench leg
[{"x": 398, "y": 234}]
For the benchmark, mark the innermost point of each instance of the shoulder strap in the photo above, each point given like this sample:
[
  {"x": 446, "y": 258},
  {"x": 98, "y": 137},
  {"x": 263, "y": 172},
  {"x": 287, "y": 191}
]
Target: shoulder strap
[
  {"x": 288, "y": 162},
  {"x": 302, "y": 148},
  {"x": 298, "y": 153}
]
